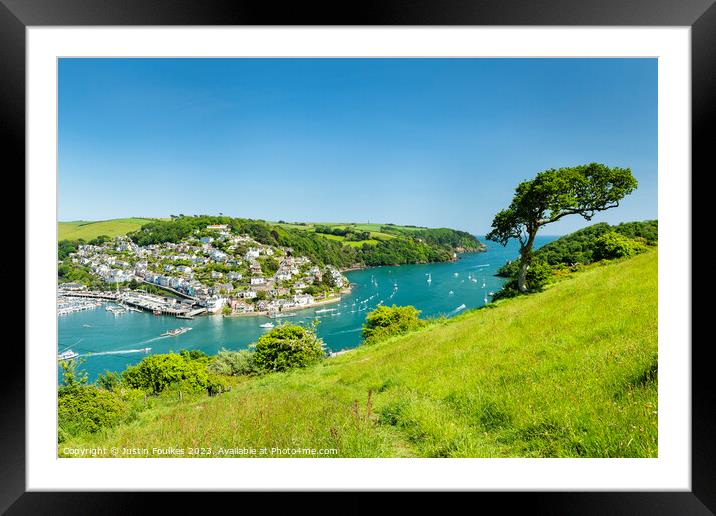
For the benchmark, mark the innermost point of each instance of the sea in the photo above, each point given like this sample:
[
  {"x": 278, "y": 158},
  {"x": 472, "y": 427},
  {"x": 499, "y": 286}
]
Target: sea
[{"x": 109, "y": 342}]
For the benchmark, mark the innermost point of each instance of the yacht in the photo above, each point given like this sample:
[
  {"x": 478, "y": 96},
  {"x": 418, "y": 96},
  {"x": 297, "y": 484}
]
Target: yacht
[{"x": 267, "y": 325}]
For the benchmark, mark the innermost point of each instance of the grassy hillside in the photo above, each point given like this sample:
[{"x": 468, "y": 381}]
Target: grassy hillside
[
  {"x": 88, "y": 230},
  {"x": 569, "y": 372}
]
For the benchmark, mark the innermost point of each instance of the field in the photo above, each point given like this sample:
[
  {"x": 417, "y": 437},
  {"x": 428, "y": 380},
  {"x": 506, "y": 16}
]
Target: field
[
  {"x": 88, "y": 230},
  {"x": 376, "y": 230},
  {"x": 569, "y": 372}
]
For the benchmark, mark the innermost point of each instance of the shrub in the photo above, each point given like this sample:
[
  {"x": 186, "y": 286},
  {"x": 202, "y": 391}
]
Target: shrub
[
  {"x": 538, "y": 275},
  {"x": 612, "y": 245},
  {"x": 287, "y": 346},
  {"x": 386, "y": 321},
  {"x": 216, "y": 385},
  {"x": 87, "y": 408},
  {"x": 157, "y": 372},
  {"x": 234, "y": 363},
  {"x": 109, "y": 380}
]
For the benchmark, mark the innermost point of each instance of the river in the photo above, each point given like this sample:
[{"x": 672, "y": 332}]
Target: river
[{"x": 109, "y": 342}]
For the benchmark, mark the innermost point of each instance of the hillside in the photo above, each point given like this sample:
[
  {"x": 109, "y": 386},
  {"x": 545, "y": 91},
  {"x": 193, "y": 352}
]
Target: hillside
[
  {"x": 323, "y": 244},
  {"x": 579, "y": 247},
  {"x": 87, "y": 230},
  {"x": 562, "y": 373}
]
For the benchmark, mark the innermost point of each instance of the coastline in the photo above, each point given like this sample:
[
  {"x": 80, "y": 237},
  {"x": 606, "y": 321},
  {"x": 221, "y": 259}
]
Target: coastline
[
  {"x": 265, "y": 313},
  {"x": 453, "y": 260}
]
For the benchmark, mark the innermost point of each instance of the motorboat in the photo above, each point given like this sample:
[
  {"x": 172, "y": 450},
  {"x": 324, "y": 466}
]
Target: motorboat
[
  {"x": 67, "y": 355},
  {"x": 175, "y": 332}
]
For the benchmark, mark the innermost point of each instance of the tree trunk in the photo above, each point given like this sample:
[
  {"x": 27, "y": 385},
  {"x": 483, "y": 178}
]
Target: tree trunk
[
  {"x": 522, "y": 275},
  {"x": 525, "y": 257}
]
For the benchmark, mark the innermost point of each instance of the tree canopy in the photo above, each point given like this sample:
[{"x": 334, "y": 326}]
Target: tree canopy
[{"x": 553, "y": 194}]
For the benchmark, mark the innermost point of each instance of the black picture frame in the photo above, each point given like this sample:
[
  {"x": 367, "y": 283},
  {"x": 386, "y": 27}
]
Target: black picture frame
[{"x": 700, "y": 15}]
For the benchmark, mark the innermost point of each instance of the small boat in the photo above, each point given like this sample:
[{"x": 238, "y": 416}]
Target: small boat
[
  {"x": 451, "y": 293},
  {"x": 157, "y": 312},
  {"x": 267, "y": 325},
  {"x": 67, "y": 355},
  {"x": 175, "y": 332}
]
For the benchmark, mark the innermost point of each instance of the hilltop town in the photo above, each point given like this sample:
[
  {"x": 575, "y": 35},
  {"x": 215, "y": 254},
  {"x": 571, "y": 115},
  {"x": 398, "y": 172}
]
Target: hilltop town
[{"x": 213, "y": 268}]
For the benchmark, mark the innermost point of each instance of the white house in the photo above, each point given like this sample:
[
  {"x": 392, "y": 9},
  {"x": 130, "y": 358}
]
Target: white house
[
  {"x": 249, "y": 294},
  {"x": 303, "y": 299},
  {"x": 252, "y": 253},
  {"x": 282, "y": 275}
]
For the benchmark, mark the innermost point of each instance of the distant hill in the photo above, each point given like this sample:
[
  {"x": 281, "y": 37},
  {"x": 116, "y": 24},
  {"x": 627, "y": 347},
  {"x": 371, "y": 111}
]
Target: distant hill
[{"x": 87, "y": 230}]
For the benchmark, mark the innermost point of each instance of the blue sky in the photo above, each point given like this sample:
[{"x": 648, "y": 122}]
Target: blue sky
[{"x": 432, "y": 142}]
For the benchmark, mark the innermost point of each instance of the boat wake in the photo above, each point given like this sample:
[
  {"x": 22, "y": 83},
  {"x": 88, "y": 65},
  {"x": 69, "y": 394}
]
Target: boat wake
[
  {"x": 346, "y": 331},
  {"x": 117, "y": 352}
]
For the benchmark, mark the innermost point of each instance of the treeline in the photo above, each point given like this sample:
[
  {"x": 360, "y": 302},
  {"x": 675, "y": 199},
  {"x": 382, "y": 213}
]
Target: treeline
[
  {"x": 421, "y": 246},
  {"x": 592, "y": 244},
  {"x": 400, "y": 251},
  {"x": 349, "y": 233}
]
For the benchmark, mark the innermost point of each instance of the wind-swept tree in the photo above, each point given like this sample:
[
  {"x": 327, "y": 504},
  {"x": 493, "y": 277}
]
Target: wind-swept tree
[{"x": 583, "y": 190}]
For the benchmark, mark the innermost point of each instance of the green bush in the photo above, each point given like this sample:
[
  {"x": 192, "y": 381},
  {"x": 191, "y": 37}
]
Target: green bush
[
  {"x": 216, "y": 385},
  {"x": 88, "y": 408},
  {"x": 386, "y": 321},
  {"x": 287, "y": 346},
  {"x": 157, "y": 372},
  {"x": 612, "y": 245},
  {"x": 109, "y": 380},
  {"x": 234, "y": 363},
  {"x": 538, "y": 275}
]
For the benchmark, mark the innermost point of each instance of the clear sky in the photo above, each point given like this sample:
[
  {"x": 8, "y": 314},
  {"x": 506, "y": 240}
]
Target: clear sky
[{"x": 431, "y": 142}]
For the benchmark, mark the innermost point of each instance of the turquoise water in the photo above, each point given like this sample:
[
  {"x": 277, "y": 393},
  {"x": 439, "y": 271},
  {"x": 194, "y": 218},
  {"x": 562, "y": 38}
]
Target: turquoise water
[{"x": 113, "y": 342}]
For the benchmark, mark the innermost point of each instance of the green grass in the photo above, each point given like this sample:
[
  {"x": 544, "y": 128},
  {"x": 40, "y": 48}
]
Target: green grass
[
  {"x": 88, "y": 230},
  {"x": 569, "y": 372}
]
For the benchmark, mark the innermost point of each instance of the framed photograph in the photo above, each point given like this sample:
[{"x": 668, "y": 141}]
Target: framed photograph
[{"x": 414, "y": 250}]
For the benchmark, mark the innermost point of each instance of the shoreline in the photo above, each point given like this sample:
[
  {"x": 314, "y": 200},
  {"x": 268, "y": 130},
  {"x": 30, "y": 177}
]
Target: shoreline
[
  {"x": 315, "y": 304},
  {"x": 457, "y": 259}
]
